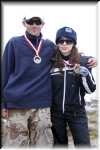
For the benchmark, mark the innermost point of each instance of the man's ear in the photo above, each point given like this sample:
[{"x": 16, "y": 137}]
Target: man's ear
[
  {"x": 24, "y": 23},
  {"x": 42, "y": 25}
]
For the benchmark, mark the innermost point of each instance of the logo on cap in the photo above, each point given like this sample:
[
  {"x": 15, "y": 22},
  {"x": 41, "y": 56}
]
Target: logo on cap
[{"x": 68, "y": 30}]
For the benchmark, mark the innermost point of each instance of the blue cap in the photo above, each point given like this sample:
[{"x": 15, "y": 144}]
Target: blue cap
[{"x": 66, "y": 32}]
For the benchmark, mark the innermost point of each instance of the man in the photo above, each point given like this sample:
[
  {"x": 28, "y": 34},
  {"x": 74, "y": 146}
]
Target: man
[{"x": 26, "y": 87}]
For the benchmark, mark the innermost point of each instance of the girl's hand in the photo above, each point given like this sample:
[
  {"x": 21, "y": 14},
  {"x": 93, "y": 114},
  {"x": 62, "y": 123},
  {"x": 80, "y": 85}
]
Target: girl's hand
[
  {"x": 77, "y": 68},
  {"x": 83, "y": 71}
]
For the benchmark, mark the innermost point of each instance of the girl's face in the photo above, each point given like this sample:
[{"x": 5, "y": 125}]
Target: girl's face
[{"x": 65, "y": 46}]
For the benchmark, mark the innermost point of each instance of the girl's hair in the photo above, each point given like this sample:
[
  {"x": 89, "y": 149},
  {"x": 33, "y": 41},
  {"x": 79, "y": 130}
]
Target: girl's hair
[{"x": 73, "y": 59}]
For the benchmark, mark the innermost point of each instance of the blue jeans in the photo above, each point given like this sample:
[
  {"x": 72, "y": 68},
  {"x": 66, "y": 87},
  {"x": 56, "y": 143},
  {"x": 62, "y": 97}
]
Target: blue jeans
[{"x": 78, "y": 124}]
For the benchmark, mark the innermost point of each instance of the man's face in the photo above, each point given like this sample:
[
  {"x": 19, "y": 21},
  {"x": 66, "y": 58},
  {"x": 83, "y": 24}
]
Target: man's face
[{"x": 33, "y": 26}]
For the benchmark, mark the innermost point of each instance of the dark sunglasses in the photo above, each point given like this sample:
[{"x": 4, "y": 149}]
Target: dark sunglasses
[
  {"x": 34, "y": 21},
  {"x": 66, "y": 41}
]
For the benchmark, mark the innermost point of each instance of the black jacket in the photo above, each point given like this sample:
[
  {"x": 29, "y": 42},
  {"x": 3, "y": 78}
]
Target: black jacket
[{"x": 69, "y": 88}]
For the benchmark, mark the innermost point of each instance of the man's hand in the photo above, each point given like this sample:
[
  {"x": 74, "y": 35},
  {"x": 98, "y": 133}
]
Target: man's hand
[{"x": 92, "y": 62}]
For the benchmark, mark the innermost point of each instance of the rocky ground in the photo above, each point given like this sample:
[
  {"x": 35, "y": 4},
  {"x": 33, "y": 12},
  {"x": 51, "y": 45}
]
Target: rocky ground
[{"x": 92, "y": 111}]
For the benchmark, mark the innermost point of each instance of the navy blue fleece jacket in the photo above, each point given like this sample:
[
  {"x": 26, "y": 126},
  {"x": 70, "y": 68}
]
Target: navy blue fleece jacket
[{"x": 26, "y": 84}]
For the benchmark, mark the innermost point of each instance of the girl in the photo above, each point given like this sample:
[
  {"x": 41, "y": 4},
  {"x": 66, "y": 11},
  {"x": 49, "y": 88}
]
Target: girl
[{"x": 71, "y": 80}]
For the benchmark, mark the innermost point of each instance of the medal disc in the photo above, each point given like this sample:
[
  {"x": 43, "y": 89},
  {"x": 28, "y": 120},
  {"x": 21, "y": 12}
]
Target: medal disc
[{"x": 37, "y": 59}]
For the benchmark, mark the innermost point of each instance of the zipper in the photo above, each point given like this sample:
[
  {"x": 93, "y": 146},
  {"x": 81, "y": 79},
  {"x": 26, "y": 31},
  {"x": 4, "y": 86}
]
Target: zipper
[
  {"x": 64, "y": 91},
  {"x": 79, "y": 97}
]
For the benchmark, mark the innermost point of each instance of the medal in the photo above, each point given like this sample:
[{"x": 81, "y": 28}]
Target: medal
[{"x": 37, "y": 58}]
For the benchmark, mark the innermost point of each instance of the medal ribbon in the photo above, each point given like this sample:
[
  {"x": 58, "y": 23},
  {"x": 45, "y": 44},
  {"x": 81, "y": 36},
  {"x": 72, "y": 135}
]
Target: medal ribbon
[
  {"x": 39, "y": 46},
  {"x": 67, "y": 63}
]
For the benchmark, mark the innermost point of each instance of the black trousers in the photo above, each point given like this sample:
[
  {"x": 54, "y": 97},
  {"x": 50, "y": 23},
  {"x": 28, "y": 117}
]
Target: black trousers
[{"x": 78, "y": 124}]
